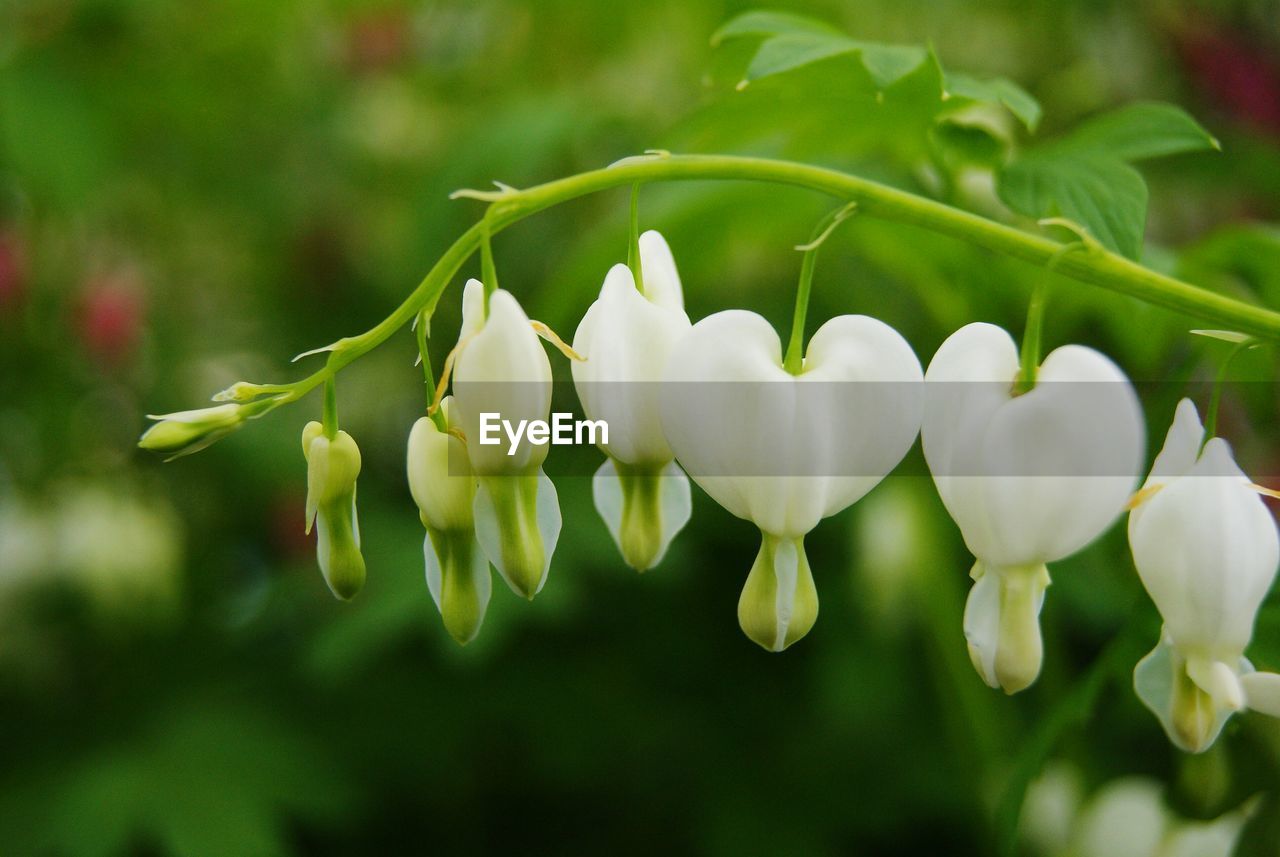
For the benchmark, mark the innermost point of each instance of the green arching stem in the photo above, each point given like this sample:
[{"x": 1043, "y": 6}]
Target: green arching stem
[
  {"x": 633, "y": 247},
  {"x": 1029, "y": 357},
  {"x": 429, "y": 378},
  {"x": 488, "y": 271},
  {"x": 1097, "y": 267},
  {"x": 1215, "y": 398},
  {"x": 330, "y": 408},
  {"x": 794, "y": 360}
]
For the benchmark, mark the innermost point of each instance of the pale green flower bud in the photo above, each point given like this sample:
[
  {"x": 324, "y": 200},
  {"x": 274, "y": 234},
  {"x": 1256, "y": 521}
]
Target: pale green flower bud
[
  {"x": 1002, "y": 624},
  {"x": 332, "y": 469},
  {"x": 241, "y": 391},
  {"x": 440, "y": 475},
  {"x": 779, "y": 602},
  {"x": 184, "y": 432},
  {"x": 444, "y": 486}
]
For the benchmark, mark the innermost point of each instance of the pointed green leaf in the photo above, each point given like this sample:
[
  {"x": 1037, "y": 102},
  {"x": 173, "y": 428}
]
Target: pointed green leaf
[
  {"x": 888, "y": 64},
  {"x": 1086, "y": 176},
  {"x": 766, "y": 22},
  {"x": 997, "y": 90},
  {"x": 1106, "y": 196},
  {"x": 794, "y": 50},
  {"x": 1140, "y": 131}
]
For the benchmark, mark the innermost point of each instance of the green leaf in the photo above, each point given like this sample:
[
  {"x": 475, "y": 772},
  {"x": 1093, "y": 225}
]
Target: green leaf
[
  {"x": 767, "y": 22},
  {"x": 887, "y": 64},
  {"x": 795, "y": 50},
  {"x": 890, "y": 63},
  {"x": 997, "y": 90},
  {"x": 1086, "y": 176},
  {"x": 1105, "y": 196},
  {"x": 792, "y": 41},
  {"x": 1143, "y": 130}
]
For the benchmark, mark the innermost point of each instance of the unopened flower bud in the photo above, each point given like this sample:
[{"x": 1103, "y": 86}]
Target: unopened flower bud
[
  {"x": 444, "y": 487},
  {"x": 184, "y": 432},
  {"x": 332, "y": 469},
  {"x": 240, "y": 391}
]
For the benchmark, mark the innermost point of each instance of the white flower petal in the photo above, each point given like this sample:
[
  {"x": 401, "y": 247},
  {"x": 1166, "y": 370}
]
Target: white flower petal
[
  {"x": 472, "y": 309},
  {"x": 626, "y": 341},
  {"x": 440, "y": 477},
  {"x": 1262, "y": 692},
  {"x": 1206, "y": 549},
  {"x": 658, "y": 269},
  {"x": 1032, "y": 478},
  {"x": 502, "y": 368},
  {"x": 785, "y": 451}
]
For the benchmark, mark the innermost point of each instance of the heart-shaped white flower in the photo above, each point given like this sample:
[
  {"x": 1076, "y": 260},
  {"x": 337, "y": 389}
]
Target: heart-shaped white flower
[
  {"x": 1029, "y": 478},
  {"x": 785, "y": 451}
]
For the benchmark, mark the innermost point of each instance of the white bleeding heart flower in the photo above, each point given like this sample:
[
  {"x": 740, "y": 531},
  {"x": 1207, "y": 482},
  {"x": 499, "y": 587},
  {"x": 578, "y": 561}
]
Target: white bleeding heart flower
[
  {"x": 500, "y": 368},
  {"x": 785, "y": 451},
  {"x": 444, "y": 488},
  {"x": 1206, "y": 548},
  {"x": 1029, "y": 479},
  {"x": 332, "y": 468},
  {"x": 626, "y": 338}
]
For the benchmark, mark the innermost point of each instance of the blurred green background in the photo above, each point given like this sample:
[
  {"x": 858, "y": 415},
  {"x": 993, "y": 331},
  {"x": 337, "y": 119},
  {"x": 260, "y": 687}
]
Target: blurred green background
[{"x": 191, "y": 193}]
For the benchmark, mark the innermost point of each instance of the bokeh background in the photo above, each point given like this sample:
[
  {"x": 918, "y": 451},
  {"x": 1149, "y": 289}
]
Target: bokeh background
[{"x": 191, "y": 193}]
